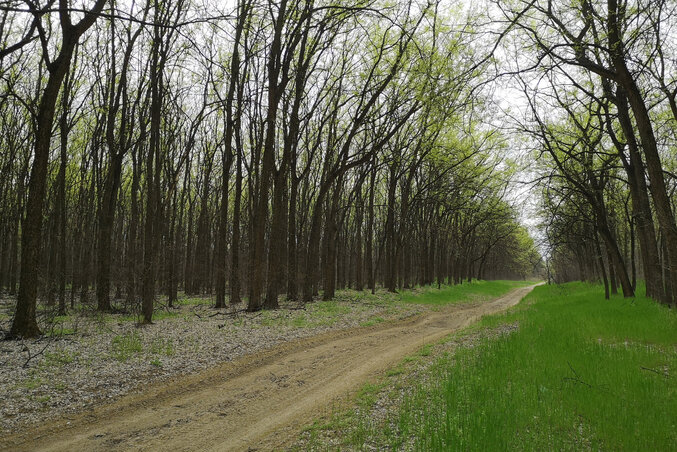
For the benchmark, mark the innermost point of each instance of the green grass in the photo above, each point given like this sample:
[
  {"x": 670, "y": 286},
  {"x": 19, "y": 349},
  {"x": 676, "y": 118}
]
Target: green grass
[
  {"x": 326, "y": 313},
  {"x": 159, "y": 314},
  {"x": 373, "y": 321},
  {"x": 164, "y": 314},
  {"x": 60, "y": 331},
  {"x": 474, "y": 291},
  {"x": 426, "y": 350},
  {"x": 131, "y": 344},
  {"x": 162, "y": 346},
  {"x": 579, "y": 373},
  {"x": 194, "y": 301},
  {"x": 59, "y": 358},
  {"x": 126, "y": 345},
  {"x": 321, "y": 313},
  {"x": 32, "y": 382}
]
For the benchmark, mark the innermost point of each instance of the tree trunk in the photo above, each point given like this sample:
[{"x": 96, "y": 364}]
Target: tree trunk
[
  {"x": 653, "y": 163},
  {"x": 390, "y": 233},
  {"x": 258, "y": 261},
  {"x": 106, "y": 219},
  {"x": 612, "y": 249},
  {"x": 61, "y": 183},
  {"x": 278, "y": 243},
  {"x": 612, "y": 274},
  {"x": 24, "y": 324},
  {"x": 369, "y": 245},
  {"x": 600, "y": 261},
  {"x": 641, "y": 206},
  {"x": 359, "y": 209},
  {"x": 133, "y": 233},
  {"x": 235, "y": 242},
  {"x": 152, "y": 176},
  {"x": 292, "y": 250}
]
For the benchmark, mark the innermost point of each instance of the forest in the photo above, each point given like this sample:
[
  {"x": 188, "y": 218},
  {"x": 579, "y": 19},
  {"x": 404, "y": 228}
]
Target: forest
[
  {"x": 411, "y": 224},
  {"x": 247, "y": 152}
]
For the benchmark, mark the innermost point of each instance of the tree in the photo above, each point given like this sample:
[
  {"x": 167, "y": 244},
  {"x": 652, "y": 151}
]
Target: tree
[{"x": 24, "y": 323}]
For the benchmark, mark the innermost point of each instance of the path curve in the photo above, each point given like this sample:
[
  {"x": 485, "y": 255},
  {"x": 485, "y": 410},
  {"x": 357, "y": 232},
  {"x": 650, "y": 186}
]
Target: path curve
[{"x": 258, "y": 402}]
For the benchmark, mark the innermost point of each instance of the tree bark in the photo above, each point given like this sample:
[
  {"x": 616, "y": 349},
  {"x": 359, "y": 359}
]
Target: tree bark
[
  {"x": 653, "y": 163},
  {"x": 641, "y": 206}
]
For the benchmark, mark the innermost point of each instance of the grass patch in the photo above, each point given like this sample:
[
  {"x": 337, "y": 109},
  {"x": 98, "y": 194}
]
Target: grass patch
[
  {"x": 162, "y": 346},
  {"x": 135, "y": 318},
  {"x": 321, "y": 313},
  {"x": 125, "y": 346},
  {"x": 160, "y": 314},
  {"x": 194, "y": 301},
  {"x": 60, "y": 331},
  {"x": 368, "y": 393},
  {"x": 164, "y": 314},
  {"x": 61, "y": 318},
  {"x": 373, "y": 321},
  {"x": 58, "y": 358},
  {"x": 60, "y": 326},
  {"x": 426, "y": 350},
  {"x": 395, "y": 371},
  {"x": 474, "y": 291},
  {"x": 300, "y": 322},
  {"x": 32, "y": 382},
  {"x": 579, "y": 373},
  {"x": 326, "y": 313}
]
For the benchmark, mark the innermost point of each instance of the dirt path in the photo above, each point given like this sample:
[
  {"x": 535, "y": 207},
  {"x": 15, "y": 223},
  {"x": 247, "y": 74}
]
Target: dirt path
[{"x": 257, "y": 403}]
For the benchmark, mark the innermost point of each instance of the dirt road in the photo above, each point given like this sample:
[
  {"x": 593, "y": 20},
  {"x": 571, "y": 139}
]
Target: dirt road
[{"x": 257, "y": 403}]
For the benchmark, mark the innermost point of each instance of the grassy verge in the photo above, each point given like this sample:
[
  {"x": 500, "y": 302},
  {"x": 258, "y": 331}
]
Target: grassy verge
[
  {"x": 563, "y": 370},
  {"x": 348, "y": 302},
  {"x": 474, "y": 291}
]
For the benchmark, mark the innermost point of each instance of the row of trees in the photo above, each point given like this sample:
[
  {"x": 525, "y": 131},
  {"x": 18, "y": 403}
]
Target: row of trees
[
  {"x": 275, "y": 148},
  {"x": 599, "y": 82}
]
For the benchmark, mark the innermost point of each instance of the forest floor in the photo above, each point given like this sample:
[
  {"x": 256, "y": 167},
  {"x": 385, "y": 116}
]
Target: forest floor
[{"x": 292, "y": 365}]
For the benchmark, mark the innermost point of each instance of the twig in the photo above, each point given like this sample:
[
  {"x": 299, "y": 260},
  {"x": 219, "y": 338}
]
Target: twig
[
  {"x": 577, "y": 379},
  {"x": 233, "y": 314},
  {"x": 30, "y": 357},
  {"x": 663, "y": 373}
]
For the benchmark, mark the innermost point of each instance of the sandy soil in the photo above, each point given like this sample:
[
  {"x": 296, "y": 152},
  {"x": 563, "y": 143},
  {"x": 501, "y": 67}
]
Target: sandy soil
[{"x": 258, "y": 402}]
